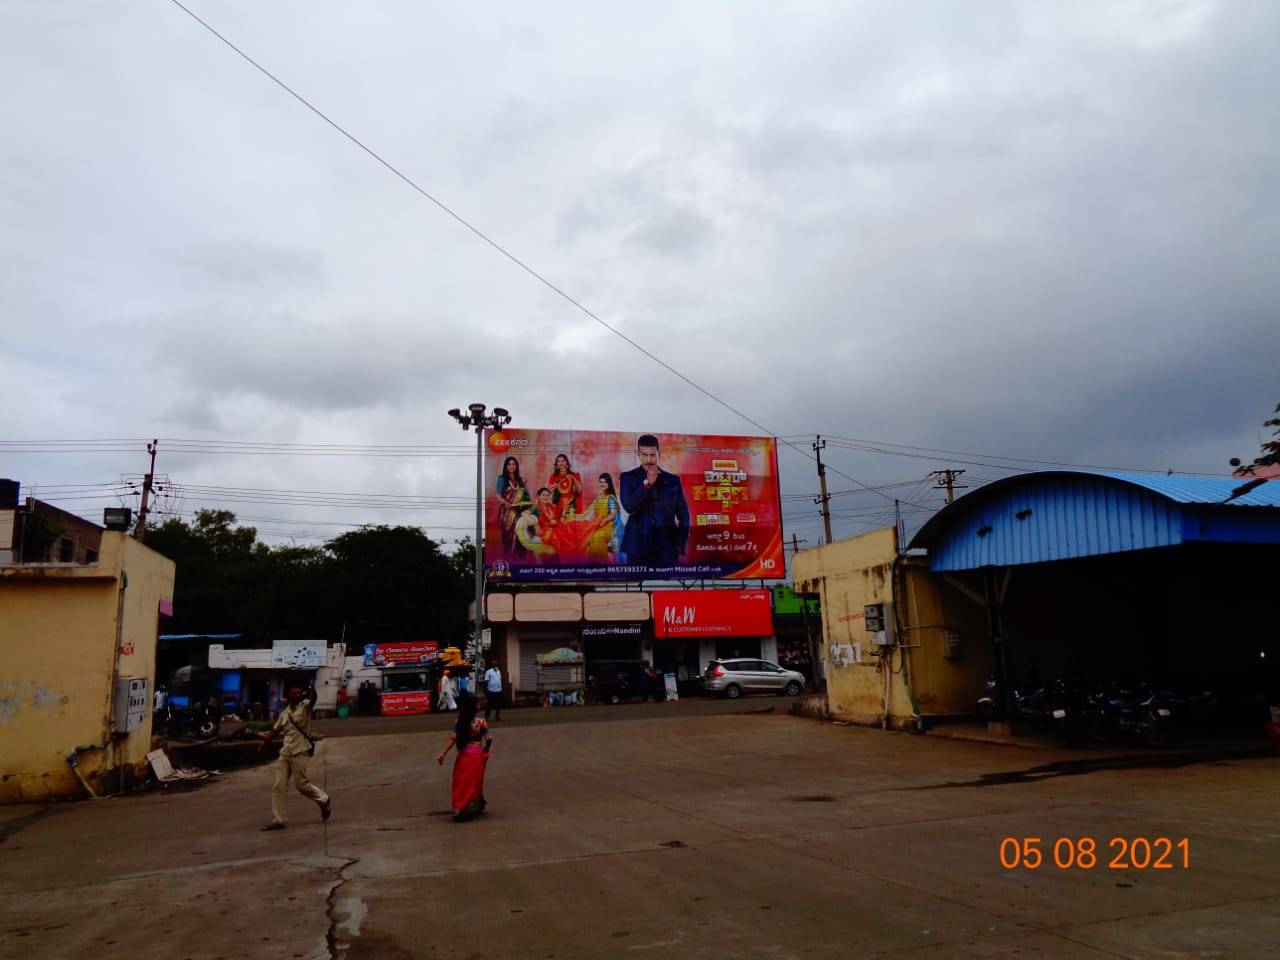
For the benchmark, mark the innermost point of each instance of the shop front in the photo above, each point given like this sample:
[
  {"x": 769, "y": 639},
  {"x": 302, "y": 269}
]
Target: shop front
[
  {"x": 693, "y": 627},
  {"x": 408, "y": 674}
]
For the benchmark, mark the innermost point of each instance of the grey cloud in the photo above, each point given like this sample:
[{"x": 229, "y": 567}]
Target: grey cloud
[{"x": 1030, "y": 230}]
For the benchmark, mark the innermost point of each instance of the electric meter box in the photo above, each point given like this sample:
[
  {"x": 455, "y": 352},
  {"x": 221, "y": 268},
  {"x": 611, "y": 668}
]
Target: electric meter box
[
  {"x": 131, "y": 703},
  {"x": 879, "y": 620}
]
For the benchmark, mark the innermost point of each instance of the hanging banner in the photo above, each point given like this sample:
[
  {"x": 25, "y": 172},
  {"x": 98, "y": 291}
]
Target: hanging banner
[
  {"x": 400, "y": 654},
  {"x": 710, "y": 613},
  {"x": 583, "y": 505}
]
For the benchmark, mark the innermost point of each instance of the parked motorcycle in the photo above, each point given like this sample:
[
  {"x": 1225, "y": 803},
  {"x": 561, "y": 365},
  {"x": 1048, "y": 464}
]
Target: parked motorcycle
[{"x": 1135, "y": 712}]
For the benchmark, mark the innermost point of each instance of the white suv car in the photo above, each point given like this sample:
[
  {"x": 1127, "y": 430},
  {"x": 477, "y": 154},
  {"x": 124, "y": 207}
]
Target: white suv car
[{"x": 733, "y": 678}]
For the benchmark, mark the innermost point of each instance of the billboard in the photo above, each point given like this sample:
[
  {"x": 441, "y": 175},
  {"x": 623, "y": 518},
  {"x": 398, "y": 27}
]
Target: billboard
[
  {"x": 712, "y": 613},
  {"x": 585, "y": 505},
  {"x": 401, "y": 654}
]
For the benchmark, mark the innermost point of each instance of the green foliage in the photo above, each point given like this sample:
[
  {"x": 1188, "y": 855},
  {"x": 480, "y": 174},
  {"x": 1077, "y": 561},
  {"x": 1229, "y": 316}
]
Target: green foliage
[
  {"x": 378, "y": 584},
  {"x": 38, "y": 534},
  {"x": 1270, "y": 456}
]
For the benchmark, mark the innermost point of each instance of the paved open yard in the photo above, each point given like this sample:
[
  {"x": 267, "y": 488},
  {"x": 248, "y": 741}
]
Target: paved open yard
[{"x": 660, "y": 834}]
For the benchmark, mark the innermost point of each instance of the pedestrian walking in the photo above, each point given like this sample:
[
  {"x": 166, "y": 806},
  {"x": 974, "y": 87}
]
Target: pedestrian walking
[
  {"x": 493, "y": 691},
  {"x": 294, "y": 725},
  {"x": 472, "y": 740},
  {"x": 444, "y": 694}
]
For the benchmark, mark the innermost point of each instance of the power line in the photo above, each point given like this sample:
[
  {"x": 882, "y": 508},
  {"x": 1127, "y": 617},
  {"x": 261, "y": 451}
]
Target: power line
[{"x": 480, "y": 234}]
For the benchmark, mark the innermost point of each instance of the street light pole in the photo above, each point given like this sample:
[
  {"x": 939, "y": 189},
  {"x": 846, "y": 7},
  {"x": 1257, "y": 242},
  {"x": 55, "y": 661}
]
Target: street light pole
[
  {"x": 476, "y": 418},
  {"x": 479, "y": 540}
]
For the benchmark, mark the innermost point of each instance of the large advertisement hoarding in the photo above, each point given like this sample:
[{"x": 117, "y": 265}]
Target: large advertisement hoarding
[{"x": 585, "y": 505}]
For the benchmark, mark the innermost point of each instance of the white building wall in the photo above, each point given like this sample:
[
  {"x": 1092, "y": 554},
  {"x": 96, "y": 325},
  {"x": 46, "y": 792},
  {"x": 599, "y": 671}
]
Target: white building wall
[{"x": 769, "y": 649}]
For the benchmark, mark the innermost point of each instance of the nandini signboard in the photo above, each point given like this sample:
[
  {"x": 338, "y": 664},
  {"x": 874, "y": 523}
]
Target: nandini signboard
[
  {"x": 585, "y": 505},
  {"x": 712, "y": 613}
]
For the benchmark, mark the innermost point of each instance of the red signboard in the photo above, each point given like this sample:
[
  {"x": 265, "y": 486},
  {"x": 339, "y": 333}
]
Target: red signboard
[
  {"x": 400, "y": 704},
  {"x": 400, "y": 654},
  {"x": 710, "y": 613}
]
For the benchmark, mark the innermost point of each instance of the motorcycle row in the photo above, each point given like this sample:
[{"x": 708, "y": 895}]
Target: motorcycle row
[{"x": 1083, "y": 712}]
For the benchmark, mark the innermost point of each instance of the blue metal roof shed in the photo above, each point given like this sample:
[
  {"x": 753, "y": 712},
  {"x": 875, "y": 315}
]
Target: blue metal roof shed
[{"x": 1061, "y": 515}]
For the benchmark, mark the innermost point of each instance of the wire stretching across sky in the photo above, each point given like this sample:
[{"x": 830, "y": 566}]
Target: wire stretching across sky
[{"x": 480, "y": 234}]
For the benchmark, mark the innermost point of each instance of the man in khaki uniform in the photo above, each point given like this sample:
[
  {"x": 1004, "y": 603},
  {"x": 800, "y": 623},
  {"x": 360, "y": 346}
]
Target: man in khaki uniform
[{"x": 294, "y": 725}]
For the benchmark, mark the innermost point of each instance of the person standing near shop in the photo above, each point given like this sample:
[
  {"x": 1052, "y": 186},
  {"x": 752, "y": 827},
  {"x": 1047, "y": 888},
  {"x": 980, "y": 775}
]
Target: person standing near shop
[
  {"x": 493, "y": 691},
  {"x": 294, "y": 725},
  {"x": 444, "y": 694}
]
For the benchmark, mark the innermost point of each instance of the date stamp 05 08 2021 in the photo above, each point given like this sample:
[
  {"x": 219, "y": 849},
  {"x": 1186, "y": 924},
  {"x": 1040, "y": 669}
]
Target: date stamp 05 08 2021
[{"x": 1086, "y": 853}]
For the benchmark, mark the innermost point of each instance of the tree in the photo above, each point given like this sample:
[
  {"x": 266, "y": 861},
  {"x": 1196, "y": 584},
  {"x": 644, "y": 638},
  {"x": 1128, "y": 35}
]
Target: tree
[
  {"x": 374, "y": 585},
  {"x": 36, "y": 534},
  {"x": 394, "y": 584},
  {"x": 1270, "y": 456}
]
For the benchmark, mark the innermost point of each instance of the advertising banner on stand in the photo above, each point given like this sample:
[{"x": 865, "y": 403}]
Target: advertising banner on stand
[
  {"x": 400, "y": 704},
  {"x": 401, "y": 654},
  {"x": 586, "y": 505}
]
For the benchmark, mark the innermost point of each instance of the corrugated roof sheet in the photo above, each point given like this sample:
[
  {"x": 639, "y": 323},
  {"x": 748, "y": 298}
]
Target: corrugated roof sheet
[
  {"x": 1184, "y": 489},
  {"x": 1060, "y": 515}
]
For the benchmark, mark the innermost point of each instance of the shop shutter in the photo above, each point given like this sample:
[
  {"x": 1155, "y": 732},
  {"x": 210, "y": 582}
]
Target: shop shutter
[{"x": 530, "y": 647}]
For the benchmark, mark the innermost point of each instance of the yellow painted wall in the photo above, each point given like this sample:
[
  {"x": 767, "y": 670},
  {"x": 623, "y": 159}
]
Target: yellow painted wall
[
  {"x": 850, "y": 574},
  {"x": 58, "y": 640},
  {"x": 847, "y": 575},
  {"x": 930, "y": 608}
]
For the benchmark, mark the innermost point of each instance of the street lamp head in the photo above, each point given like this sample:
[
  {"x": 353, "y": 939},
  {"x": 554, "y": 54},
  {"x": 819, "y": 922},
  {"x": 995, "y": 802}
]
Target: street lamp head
[
  {"x": 455, "y": 413},
  {"x": 501, "y": 412},
  {"x": 477, "y": 409}
]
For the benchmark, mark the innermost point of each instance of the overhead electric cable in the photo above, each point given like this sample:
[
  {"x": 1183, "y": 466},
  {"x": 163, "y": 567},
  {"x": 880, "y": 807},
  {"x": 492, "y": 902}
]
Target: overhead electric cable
[{"x": 480, "y": 234}]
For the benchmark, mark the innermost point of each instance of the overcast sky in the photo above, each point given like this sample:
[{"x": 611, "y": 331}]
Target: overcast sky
[{"x": 1038, "y": 230}]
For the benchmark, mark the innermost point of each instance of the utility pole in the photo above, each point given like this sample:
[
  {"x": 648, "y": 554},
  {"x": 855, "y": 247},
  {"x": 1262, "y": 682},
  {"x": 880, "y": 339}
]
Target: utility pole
[
  {"x": 825, "y": 500},
  {"x": 947, "y": 481},
  {"x": 140, "y": 531},
  {"x": 476, "y": 418}
]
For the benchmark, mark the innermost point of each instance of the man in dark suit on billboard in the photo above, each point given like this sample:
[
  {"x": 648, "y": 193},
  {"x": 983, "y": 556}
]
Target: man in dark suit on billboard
[{"x": 657, "y": 515}]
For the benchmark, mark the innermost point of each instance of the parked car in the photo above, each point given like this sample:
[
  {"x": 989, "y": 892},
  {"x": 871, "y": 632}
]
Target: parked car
[{"x": 733, "y": 678}]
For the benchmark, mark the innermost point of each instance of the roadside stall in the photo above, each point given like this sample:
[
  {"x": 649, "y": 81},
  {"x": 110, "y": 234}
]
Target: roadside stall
[
  {"x": 407, "y": 673},
  {"x": 562, "y": 678}
]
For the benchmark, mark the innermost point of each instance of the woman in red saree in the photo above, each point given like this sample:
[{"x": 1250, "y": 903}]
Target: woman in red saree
[
  {"x": 566, "y": 488},
  {"x": 568, "y": 535},
  {"x": 472, "y": 740}
]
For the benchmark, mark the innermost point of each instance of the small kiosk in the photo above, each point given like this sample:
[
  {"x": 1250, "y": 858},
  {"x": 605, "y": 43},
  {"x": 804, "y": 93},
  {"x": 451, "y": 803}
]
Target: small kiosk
[
  {"x": 408, "y": 670},
  {"x": 562, "y": 678}
]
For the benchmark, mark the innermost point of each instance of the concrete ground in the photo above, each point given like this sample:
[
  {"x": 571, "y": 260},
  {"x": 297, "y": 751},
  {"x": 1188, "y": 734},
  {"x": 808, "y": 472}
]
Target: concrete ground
[{"x": 671, "y": 833}]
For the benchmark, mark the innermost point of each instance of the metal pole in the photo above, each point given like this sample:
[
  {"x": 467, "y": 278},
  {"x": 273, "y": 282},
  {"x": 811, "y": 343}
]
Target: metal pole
[{"x": 479, "y": 538}]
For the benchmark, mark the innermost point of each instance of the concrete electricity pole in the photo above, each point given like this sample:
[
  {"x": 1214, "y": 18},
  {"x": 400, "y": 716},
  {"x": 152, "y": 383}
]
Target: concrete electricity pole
[
  {"x": 947, "y": 481},
  {"x": 140, "y": 531},
  {"x": 825, "y": 500}
]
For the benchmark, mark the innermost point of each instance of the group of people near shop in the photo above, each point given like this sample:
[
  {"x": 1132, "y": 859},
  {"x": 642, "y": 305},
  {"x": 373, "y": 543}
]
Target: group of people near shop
[{"x": 470, "y": 741}]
